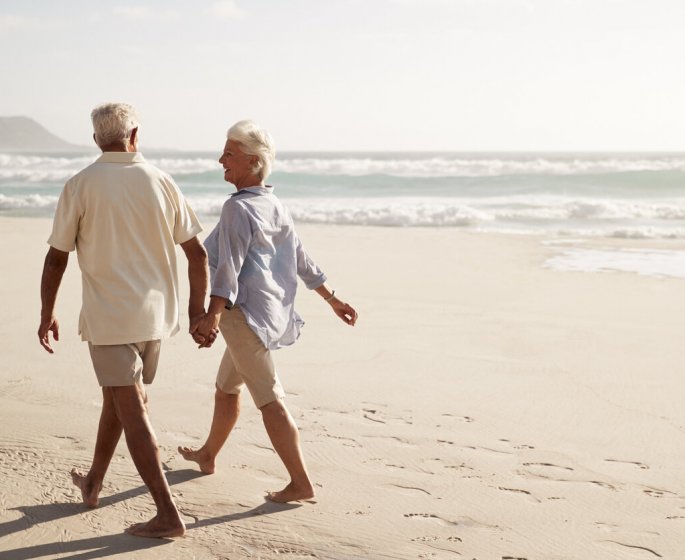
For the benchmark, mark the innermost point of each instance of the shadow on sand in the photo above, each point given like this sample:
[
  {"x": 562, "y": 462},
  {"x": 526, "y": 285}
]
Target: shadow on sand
[{"x": 107, "y": 545}]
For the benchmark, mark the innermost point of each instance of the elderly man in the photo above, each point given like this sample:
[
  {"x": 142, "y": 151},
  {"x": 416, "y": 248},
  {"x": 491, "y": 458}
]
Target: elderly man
[{"x": 124, "y": 217}]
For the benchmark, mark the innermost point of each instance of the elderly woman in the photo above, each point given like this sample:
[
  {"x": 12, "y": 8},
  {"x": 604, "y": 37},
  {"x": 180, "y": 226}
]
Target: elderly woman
[{"x": 255, "y": 258}]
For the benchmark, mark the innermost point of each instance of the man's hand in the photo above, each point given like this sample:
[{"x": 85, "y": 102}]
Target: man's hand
[
  {"x": 46, "y": 325},
  {"x": 204, "y": 329},
  {"x": 53, "y": 269},
  {"x": 344, "y": 311}
]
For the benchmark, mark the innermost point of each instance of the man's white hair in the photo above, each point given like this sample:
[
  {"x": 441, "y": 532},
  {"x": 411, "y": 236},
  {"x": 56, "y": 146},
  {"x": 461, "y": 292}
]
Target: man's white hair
[
  {"x": 113, "y": 122},
  {"x": 254, "y": 141}
]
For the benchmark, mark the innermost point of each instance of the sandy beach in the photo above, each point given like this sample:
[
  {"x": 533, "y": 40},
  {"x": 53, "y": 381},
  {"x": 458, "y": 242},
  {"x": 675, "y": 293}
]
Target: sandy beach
[{"x": 484, "y": 407}]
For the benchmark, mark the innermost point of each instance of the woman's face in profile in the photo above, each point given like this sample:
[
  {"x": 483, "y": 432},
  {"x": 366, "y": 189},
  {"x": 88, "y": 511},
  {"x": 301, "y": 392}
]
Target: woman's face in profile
[{"x": 237, "y": 165}]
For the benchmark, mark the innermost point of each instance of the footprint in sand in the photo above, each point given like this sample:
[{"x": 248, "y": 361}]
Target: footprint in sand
[
  {"x": 409, "y": 489},
  {"x": 632, "y": 463},
  {"x": 637, "y": 551},
  {"x": 519, "y": 491},
  {"x": 454, "y": 539},
  {"x": 293, "y": 551},
  {"x": 656, "y": 493},
  {"x": 431, "y": 516},
  {"x": 429, "y": 538},
  {"x": 547, "y": 471},
  {"x": 467, "y": 419},
  {"x": 372, "y": 414},
  {"x": 547, "y": 465},
  {"x": 517, "y": 446},
  {"x": 603, "y": 484}
]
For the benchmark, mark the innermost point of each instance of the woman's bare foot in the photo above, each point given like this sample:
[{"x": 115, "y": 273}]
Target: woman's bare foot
[
  {"x": 292, "y": 493},
  {"x": 205, "y": 461},
  {"x": 158, "y": 529},
  {"x": 89, "y": 490}
]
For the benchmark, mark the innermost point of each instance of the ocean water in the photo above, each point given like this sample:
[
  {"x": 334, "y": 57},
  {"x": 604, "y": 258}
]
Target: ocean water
[
  {"x": 589, "y": 195},
  {"x": 659, "y": 263}
]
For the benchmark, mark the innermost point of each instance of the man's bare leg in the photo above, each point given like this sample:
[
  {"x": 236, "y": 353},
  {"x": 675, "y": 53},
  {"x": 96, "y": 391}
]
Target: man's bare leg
[
  {"x": 285, "y": 438},
  {"x": 226, "y": 411},
  {"x": 130, "y": 405},
  {"x": 109, "y": 432}
]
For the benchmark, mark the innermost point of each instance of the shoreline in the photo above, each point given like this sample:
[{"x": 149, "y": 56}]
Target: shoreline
[{"x": 559, "y": 244}]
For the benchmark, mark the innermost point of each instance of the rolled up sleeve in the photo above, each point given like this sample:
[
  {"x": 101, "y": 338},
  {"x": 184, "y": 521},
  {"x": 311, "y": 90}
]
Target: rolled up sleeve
[
  {"x": 311, "y": 275},
  {"x": 233, "y": 237}
]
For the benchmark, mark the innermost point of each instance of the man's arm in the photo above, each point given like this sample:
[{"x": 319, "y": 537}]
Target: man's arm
[
  {"x": 198, "y": 277},
  {"x": 53, "y": 270}
]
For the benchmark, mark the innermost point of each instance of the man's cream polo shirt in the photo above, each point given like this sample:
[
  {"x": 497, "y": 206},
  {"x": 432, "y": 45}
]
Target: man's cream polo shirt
[{"x": 124, "y": 217}]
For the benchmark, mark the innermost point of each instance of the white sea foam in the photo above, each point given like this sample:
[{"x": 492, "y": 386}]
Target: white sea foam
[
  {"x": 645, "y": 262},
  {"x": 50, "y": 169},
  {"x": 37, "y": 168},
  {"x": 631, "y": 220},
  {"x": 28, "y": 202},
  {"x": 504, "y": 215},
  {"x": 474, "y": 166},
  {"x": 557, "y": 208},
  {"x": 186, "y": 166}
]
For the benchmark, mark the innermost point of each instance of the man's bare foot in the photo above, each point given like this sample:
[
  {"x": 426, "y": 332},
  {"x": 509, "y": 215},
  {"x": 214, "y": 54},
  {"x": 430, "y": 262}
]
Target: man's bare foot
[
  {"x": 89, "y": 491},
  {"x": 205, "y": 461},
  {"x": 158, "y": 529},
  {"x": 292, "y": 493}
]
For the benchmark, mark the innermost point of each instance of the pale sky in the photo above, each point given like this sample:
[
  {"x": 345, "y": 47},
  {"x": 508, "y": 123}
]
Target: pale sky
[{"x": 356, "y": 74}]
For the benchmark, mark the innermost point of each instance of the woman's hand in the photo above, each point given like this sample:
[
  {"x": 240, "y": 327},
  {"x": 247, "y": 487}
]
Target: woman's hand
[
  {"x": 204, "y": 329},
  {"x": 343, "y": 310},
  {"x": 340, "y": 308}
]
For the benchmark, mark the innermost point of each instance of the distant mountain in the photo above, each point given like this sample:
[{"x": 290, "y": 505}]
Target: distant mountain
[{"x": 22, "y": 134}]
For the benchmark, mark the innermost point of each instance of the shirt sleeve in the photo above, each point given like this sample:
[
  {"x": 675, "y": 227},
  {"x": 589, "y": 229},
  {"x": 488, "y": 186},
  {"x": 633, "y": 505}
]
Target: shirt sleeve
[
  {"x": 186, "y": 225},
  {"x": 311, "y": 275},
  {"x": 234, "y": 236},
  {"x": 66, "y": 222}
]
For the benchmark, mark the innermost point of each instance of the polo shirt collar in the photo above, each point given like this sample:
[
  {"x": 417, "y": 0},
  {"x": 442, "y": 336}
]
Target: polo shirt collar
[
  {"x": 259, "y": 189},
  {"x": 121, "y": 157}
]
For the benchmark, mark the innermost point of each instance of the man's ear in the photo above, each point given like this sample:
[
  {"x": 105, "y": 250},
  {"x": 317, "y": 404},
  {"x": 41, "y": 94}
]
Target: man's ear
[
  {"x": 134, "y": 137},
  {"x": 94, "y": 140}
]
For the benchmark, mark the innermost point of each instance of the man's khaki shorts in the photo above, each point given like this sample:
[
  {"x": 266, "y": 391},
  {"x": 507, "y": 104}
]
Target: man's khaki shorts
[
  {"x": 246, "y": 361},
  {"x": 117, "y": 365}
]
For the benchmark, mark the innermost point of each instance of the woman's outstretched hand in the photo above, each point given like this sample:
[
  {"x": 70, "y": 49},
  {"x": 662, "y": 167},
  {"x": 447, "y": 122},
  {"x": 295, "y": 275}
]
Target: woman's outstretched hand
[{"x": 343, "y": 310}]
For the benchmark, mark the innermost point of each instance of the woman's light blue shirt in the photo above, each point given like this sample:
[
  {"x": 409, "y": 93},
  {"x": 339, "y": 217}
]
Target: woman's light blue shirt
[{"x": 255, "y": 258}]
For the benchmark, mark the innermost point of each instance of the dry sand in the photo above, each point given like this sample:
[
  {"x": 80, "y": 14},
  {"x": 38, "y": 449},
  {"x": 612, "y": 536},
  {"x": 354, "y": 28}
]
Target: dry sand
[{"x": 484, "y": 407}]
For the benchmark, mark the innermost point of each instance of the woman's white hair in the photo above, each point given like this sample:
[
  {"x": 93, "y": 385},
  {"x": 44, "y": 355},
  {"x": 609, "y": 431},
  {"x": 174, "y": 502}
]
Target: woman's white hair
[
  {"x": 113, "y": 122},
  {"x": 254, "y": 141}
]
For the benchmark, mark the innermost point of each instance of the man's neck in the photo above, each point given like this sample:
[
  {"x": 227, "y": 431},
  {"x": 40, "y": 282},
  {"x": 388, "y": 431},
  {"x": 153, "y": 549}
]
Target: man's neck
[{"x": 119, "y": 147}]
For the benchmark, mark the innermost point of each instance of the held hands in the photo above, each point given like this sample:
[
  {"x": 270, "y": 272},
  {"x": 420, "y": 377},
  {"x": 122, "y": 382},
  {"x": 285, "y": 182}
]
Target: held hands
[
  {"x": 48, "y": 324},
  {"x": 204, "y": 329}
]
